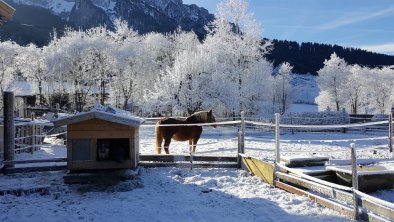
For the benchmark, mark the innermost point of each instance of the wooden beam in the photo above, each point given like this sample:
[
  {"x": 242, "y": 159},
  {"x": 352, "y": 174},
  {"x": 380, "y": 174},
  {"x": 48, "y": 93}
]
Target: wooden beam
[
  {"x": 259, "y": 168},
  {"x": 318, "y": 199},
  {"x": 53, "y": 160},
  {"x": 19, "y": 192},
  {"x": 319, "y": 188},
  {"x": 377, "y": 208},
  {"x": 6, "y": 10},
  {"x": 34, "y": 169},
  {"x": 189, "y": 165},
  {"x": 173, "y": 158}
]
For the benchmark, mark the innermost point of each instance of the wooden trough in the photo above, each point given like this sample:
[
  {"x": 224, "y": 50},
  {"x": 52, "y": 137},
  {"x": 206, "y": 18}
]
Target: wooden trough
[
  {"x": 344, "y": 199},
  {"x": 371, "y": 178}
]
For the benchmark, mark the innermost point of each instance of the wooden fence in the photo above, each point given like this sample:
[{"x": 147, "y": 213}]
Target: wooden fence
[{"x": 347, "y": 200}]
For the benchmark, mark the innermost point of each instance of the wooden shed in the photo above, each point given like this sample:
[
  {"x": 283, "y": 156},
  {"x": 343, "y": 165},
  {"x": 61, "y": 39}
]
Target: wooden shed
[{"x": 99, "y": 140}]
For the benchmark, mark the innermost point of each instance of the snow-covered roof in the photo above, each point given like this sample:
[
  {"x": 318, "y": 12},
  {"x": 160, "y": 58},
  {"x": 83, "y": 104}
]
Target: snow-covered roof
[
  {"x": 132, "y": 121},
  {"x": 6, "y": 11}
]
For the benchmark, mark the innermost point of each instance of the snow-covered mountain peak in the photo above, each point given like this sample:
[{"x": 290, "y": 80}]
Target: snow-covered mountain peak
[
  {"x": 58, "y": 7},
  {"x": 142, "y": 15}
]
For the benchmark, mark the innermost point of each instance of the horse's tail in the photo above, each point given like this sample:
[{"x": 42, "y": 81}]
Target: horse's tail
[{"x": 159, "y": 138}]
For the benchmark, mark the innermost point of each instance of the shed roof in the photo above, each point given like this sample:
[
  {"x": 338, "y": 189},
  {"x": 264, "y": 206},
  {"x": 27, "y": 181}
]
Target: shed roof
[
  {"x": 132, "y": 121},
  {"x": 6, "y": 12}
]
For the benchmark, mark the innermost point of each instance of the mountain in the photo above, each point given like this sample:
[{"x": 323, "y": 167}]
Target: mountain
[
  {"x": 144, "y": 15},
  {"x": 35, "y": 20}
]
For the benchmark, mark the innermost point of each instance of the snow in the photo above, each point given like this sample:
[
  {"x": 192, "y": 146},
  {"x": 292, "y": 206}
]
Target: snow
[
  {"x": 166, "y": 194},
  {"x": 298, "y": 108},
  {"x": 170, "y": 194}
]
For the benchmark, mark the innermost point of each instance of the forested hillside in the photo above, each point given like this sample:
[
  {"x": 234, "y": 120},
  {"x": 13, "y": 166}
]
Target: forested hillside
[{"x": 309, "y": 57}]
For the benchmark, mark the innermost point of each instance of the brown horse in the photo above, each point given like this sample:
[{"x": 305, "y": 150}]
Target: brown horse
[{"x": 181, "y": 133}]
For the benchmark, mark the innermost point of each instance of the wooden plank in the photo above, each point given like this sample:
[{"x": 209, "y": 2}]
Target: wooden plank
[
  {"x": 34, "y": 169},
  {"x": 101, "y": 165},
  {"x": 259, "y": 168},
  {"x": 20, "y": 191},
  {"x": 98, "y": 176},
  {"x": 173, "y": 158},
  {"x": 6, "y": 10},
  {"x": 98, "y": 134},
  {"x": 6, "y": 7},
  {"x": 189, "y": 165},
  {"x": 370, "y": 217},
  {"x": 377, "y": 208},
  {"x": 320, "y": 200},
  {"x": 52, "y": 160},
  {"x": 98, "y": 125},
  {"x": 319, "y": 188}
]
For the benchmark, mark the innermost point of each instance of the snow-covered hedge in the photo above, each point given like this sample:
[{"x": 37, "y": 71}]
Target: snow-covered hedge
[{"x": 315, "y": 118}]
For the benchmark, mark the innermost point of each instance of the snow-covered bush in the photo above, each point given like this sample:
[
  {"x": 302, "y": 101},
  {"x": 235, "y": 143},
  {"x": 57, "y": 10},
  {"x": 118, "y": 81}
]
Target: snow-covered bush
[{"x": 316, "y": 118}]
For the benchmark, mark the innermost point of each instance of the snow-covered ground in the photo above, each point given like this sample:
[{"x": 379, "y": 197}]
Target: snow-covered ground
[
  {"x": 166, "y": 194},
  {"x": 170, "y": 194}
]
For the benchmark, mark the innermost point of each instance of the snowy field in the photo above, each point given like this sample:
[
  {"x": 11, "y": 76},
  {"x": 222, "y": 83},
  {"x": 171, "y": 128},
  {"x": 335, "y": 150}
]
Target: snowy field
[{"x": 170, "y": 194}]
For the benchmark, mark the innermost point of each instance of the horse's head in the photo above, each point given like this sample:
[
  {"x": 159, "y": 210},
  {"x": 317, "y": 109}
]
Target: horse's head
[
  {"x": 211, "y": 118},
  {"x": 202, "y": 117}
]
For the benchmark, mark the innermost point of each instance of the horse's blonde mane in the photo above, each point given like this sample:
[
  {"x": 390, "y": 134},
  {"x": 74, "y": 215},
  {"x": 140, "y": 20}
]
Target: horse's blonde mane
[{"x": 201, "y": 116}]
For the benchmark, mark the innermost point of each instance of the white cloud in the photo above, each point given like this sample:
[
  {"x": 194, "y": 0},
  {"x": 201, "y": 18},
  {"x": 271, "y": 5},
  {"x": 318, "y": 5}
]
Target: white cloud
[
  {"x": 355, "y": 19},
  {"x": 387, "y": 48}
]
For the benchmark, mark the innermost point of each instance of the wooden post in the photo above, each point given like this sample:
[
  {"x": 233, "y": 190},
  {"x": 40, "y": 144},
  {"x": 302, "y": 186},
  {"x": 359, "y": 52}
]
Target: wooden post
[
  {"x": 354, "y": 180},
  {"x": 277, "y": 147},
  {"x": 33, "y": 137},
  {"x": 277, "y": 138},
  {"x": 291, "y": 122},
  {"x": 391, "y": 132},
  {"x": 9, "y": 128},
  {"x": 241, "y": 139},
  {"x": 343, "y": 119}
]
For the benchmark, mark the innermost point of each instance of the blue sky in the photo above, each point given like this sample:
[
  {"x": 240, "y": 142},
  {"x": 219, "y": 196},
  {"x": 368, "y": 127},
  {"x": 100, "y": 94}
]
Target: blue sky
[{"x": 367, "y": 24}]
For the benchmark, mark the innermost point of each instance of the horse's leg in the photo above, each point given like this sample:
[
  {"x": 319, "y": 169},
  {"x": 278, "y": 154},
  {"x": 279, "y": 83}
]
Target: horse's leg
[
  {"x": 194, "y": 144},
  {"x": 191, "y": 145},
  {"x": 159, "y": 140},
  {"x": 167, "y": 142}
]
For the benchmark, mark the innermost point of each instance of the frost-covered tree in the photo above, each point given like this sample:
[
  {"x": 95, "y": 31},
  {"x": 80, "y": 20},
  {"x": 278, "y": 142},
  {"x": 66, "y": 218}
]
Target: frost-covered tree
[
  {"x": 380, "y": 89},
  {"x": 178, "y": 84},
  {"x": 70, "y": 64},
  {"x": 34, "y": 68},
  {"x": 356, "y": 87},
  {"x": 332, "y": 81},
  {"x": 283, "y": 87},
  {"x": 234, "y": 42},
  {"x": 8, "y": 66}
]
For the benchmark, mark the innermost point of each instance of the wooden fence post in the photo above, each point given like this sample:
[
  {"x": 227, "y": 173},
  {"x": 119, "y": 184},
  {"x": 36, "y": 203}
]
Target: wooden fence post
[
  {"x": 391, "y": 132},
  {"x": 9, "y": 128},
  {"x": 33, "y": 137},
  {"x": 241, "y": 139},
  {"x": 343, "y": 119},
  {"x": 277, "y": 138},
  {"x": 354, "y": 180}
]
